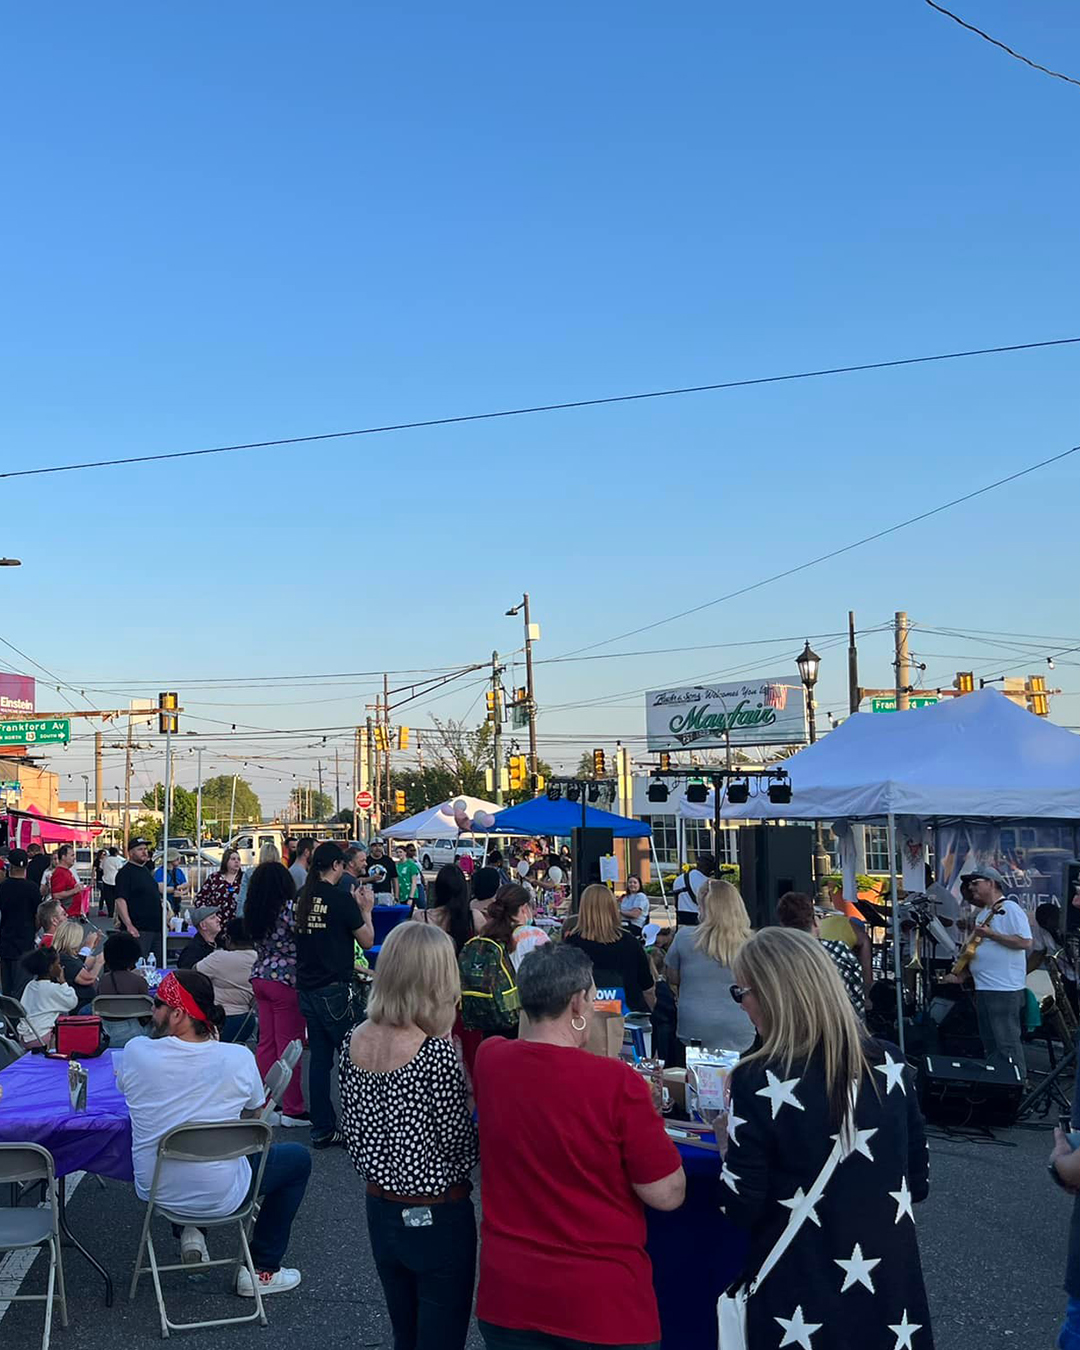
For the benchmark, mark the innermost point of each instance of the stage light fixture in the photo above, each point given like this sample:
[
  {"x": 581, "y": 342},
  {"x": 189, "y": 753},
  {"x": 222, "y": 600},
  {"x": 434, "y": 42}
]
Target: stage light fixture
[
  {"x": 738, "y": 792},
  {"x": 554, "y": 792},
  {"x": 573, "y": 792},
  {"x": 594, "y": 792},
  {"x": 657, "y": 792},
  {"x": 780, "y": 792},
  {"x": 697, "y": 792}
]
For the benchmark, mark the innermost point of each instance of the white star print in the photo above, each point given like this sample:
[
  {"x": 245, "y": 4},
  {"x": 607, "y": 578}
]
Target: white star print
[
  {"x": 903, "y": 1201},
  {"x": 780, "y": 1094},
  {"x": 855, "y": 1142},
  {"x": 904, "y": 1331},
  {"x": 796, "y": 1200},
  {"x": 893, "y": 1071},
  {"x": 797, "y": 1331},
  {"x": 729, "y": 1178},
  {"x": 733, "y": 1123},
  {"x": 857, "y": 1270}
]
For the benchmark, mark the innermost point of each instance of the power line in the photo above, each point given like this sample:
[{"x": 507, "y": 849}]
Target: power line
[
  {"x": 834, "y": 553},
  {"x": 541, "y": 408},
  {"x": 994, "y": 42}
]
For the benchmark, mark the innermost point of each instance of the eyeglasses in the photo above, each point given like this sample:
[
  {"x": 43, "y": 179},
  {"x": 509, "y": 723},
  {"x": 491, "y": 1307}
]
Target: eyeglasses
[{"x": 739, "y": 992}]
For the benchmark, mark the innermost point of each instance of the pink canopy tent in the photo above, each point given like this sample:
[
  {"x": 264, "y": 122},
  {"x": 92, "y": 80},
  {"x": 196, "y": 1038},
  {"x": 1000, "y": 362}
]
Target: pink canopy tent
[{"x": 49, "y": 830}]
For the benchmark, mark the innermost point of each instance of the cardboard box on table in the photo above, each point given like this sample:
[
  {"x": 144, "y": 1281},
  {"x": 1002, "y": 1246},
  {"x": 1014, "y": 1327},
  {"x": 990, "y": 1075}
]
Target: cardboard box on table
[{"x": 606, "y": 1027}]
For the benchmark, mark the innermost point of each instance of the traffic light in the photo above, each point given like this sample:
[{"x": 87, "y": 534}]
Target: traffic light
[
  {"x": 399, "y": 801},
  {"x": 518, "y": 769},
  {"x": 537, "y": 782},
  {"x": 665, "y": 762},
  {"x": 599, "y": 764},
  {"x": 168, "y": 720},
  {"x": 964, "y": 682},
  {"x": 494, "y": 705},
  {"x": 403, "y": 738},
  {"x": 380, "y": 736},
  {"x": 1038, "y": 700},
  {"x": 521, "y": 695}
]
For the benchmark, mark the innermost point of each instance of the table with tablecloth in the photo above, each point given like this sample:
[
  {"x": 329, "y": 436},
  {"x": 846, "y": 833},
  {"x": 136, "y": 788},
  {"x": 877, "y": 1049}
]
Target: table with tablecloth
[{"x": 696, "y": 1253}]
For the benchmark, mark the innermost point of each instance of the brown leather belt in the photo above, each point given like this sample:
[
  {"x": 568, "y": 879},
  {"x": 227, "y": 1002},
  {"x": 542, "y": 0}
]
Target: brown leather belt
[{"x": 460, "y": 1192}]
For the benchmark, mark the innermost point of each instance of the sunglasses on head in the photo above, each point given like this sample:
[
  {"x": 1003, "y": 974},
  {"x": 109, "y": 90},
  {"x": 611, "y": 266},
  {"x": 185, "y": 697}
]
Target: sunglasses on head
[{"x": 738, "y": 992}]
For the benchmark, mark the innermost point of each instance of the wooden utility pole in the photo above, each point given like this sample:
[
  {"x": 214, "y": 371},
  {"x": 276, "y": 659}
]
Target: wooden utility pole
[
  {"x": 372, "y": 758},
  {"x": 496, "y": 722},
  {"x": 903, "y": 663},
  {"x": 854, "y": 698},
  {"x": 127, "y": 788},
  {"x": 386, "y": 741}
]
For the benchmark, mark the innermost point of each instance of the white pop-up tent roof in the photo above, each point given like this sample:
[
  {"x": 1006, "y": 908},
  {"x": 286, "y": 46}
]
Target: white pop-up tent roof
[
  {"x": 980, "y": 755},
  {"x": 432, "y": 824}
]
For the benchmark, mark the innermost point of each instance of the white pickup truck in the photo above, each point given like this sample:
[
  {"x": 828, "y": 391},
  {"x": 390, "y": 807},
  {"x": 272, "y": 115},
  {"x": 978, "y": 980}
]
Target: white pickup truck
[{"x": 433, "y": 853}]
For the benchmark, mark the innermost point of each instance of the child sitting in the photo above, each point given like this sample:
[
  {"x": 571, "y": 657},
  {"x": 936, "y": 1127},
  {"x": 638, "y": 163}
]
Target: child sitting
[{"x": 46, "y": 996}]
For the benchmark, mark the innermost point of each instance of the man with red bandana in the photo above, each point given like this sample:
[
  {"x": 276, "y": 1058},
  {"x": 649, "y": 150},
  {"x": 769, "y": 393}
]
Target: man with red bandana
[{"x": 180, "y": 1073}]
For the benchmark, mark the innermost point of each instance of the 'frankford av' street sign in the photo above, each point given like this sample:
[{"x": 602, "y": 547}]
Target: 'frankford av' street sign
[{"x": 36, "y": 731}]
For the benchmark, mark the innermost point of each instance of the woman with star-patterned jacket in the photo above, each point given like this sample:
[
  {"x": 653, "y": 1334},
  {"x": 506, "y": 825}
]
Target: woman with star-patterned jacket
[{"x": 851, "y": 1275}]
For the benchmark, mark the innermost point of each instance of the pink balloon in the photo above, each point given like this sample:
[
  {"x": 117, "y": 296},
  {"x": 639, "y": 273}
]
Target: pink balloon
[
  {"x": 446, "y": 809},
  {"x": 461, "y": 806}
]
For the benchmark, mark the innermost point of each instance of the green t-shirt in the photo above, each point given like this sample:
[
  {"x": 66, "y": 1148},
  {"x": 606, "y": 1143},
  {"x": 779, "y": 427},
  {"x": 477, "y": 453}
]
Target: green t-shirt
[{"x": 408, "y": 873}]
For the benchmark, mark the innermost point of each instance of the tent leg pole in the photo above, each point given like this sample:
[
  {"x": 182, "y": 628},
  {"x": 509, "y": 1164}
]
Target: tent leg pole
[
  {"x": 660, "y": 878},
  {"x": 897, "y": 970}
]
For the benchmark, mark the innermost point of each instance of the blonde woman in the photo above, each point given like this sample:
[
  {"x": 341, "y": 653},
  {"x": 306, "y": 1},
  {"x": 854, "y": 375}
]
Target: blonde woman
[
  {"x": 410, "y": 1134},
  {"x": 698, "y": 969},
  {"x": 81, "y": 973},
  {"x": 850, "y": 1273},
  {"x": 618, "y": 958}
]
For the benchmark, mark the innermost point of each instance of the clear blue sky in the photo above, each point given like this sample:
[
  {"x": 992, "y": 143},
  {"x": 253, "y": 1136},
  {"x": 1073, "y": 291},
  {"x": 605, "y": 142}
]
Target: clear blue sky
[{"x": 246, "y": 221}]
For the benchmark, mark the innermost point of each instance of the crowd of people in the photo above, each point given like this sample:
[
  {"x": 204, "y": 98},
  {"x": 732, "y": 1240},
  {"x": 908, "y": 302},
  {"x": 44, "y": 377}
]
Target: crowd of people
[{"x": 472, "y": 1041}]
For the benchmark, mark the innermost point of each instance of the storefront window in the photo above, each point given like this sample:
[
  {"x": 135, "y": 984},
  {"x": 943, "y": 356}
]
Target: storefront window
[{"x": 665, "y": 838}]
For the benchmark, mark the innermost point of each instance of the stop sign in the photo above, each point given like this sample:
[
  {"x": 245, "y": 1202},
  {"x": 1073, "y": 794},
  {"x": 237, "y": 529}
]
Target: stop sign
[{"x": 364, "y": 800}]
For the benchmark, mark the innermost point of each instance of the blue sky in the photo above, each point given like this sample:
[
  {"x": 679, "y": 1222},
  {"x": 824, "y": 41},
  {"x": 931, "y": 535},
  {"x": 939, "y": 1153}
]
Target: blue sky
[{"x": 247, "y": 221}]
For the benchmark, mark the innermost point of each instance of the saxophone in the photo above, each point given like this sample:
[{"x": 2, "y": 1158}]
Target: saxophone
[{"x": 1067, "y": 1023}]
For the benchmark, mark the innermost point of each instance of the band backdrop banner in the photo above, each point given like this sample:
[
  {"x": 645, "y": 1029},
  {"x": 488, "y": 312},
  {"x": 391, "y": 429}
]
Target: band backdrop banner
[
  {"x": 706, "y": 716},
  {"x": 1032, "y": 855}
]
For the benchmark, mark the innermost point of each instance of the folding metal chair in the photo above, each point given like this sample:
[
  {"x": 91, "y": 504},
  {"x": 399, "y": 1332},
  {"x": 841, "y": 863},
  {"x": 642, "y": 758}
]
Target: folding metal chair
[
  {"x": 10, "y": 1051},
  {"x": 37, "y": 1227},
  {"x": 211, "y": 1141},
  {"x": 276, "y": 1084},
  {"x": 293, "y": 1053},
  {"x": 124, "y": 1012},
  {"x": 11, "y": 1012}
]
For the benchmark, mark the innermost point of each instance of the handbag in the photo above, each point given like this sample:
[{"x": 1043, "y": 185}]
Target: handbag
[
  {"x": 731, "y": 1306},
  {"x": 79, "y": 1036}
]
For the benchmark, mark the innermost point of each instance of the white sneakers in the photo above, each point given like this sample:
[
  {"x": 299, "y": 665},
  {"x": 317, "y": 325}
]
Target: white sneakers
[
  {"x": 276, "y": 1283},
  {"x": 193, "y": 1249},
  {"x": 295, "y": 1122}
]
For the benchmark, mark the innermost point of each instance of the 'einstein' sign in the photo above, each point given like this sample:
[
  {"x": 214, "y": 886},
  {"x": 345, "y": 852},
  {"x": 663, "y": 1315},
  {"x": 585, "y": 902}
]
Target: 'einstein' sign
[{"x": 704, "y": 716}]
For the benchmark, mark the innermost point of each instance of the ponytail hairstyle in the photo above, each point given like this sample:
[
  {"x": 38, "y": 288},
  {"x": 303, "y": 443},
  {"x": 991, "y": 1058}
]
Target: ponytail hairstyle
[
  {"x": 202, "y": 991},
  {"x": 322, "y": 860},
  {"x": 501, "y": 911}
]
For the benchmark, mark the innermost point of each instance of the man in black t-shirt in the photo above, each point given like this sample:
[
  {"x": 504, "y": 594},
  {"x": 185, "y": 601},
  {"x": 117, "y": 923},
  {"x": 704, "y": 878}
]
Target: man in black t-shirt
[
  {"x": 139, "y": 901},
  {"x": 385, "y": 886},
  {"x": 19, "y": 899},
  {"x": 38, "y": 864}
]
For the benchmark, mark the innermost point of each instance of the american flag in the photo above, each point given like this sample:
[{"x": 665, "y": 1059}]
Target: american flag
[{"x": 775, "y": 696}]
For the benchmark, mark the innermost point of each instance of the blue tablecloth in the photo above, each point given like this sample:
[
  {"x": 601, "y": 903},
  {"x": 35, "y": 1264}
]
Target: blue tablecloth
[
  {"x": 385, "y": 917},
  {"x": 35, "y": 1108},
  {"x": 696, "y": 1253}
]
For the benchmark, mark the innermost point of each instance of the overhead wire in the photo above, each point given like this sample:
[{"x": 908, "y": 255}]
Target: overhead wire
[{"x": 996, "y": 42}]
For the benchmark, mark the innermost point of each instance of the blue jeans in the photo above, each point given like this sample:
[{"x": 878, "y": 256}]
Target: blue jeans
[
  {"x": 331, "y": 1013},
  {"x": 241, "y": 1027},
  {"x": 284, "y": 1182},
  {"x": 1070, "y": 1328}
]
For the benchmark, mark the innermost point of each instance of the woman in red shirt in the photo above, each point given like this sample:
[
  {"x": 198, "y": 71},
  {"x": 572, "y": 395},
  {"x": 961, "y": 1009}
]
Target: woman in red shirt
[{"x": 573, "y": 1150}]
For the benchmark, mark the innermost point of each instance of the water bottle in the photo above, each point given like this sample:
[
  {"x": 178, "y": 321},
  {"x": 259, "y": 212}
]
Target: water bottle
[
  {"x": 140, "y": 966},
  {"x": 151, "y": 965}
]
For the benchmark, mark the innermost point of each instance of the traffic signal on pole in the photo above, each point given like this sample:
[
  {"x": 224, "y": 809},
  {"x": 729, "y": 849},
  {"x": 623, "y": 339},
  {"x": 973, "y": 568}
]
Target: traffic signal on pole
[
  {"x": 403, "y": 738},
  {"x": 380, "y": 736},
  {"x": 1038, "y": 700},
  {"x": 399, "y": 801},
  {"x": 665, "y": 762},
  {"x": 599, "y": 764},
  {"x": 537, "y": 782},
  {"x": 964, "y": 682},
  {"x": 518, "y": 770},
  {"x": 167, "y": 719},
  {"x": 490, "y": 697}
]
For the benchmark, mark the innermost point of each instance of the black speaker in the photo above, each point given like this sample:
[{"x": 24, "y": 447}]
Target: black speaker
[
  {"x": 587, "y": 847},
  {"x": 969, "y": 1092},
  {"x": 1072, "y": 914},
  {"x": 774, "y": 859}
]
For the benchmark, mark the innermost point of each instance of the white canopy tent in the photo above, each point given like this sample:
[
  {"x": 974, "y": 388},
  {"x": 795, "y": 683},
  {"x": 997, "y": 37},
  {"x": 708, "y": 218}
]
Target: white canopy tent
[
  {"x": 979, "y": 756},
  {"x": 433, "y": 824}
]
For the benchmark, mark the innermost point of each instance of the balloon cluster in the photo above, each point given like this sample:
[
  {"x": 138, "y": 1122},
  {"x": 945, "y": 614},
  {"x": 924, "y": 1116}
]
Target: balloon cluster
[{"x": 458, "y": 812}]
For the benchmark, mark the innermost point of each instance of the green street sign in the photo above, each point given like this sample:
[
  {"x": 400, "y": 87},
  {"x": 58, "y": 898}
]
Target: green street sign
[
  {"x": 888, "y": 704},
  {"x": 12, "y": 786},
  {"x": 36, "y": 731}
]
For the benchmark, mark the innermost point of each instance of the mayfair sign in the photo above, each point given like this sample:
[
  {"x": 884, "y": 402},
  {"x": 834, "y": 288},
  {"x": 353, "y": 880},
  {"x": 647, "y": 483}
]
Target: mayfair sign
[{"x": 704, "y": 716}]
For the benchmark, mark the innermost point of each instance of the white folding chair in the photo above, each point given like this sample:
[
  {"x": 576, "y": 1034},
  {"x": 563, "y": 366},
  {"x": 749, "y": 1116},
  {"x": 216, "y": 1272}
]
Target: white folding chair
[
  {"x": 37, "y": 1227},
  {"x": 11, "y": 1013},
  {"x": 210, "y": 1141},
  {"x": 10, "y": 1051},
  {"x": 276, "y": 1084},
  {"x": 293, "y": 1053}
]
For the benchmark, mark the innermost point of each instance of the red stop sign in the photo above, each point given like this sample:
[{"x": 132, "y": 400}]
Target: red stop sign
[{"x": 364, "y": 800}]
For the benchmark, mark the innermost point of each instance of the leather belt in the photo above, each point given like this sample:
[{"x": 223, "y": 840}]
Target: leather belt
[{"x": 459, "y": 1192}]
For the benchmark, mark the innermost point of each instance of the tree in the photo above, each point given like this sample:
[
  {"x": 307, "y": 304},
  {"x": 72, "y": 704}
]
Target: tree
[
  {"x": 147, "y": 827},
  {"x": 462, "y": 754},
  {"x": 310, "y": 804},
  {"x": 182, "y": 812},
  {"x": 217, "y": 797},
  {"x": 585, "y": 766},
  {"x": 343, "y": 817}
]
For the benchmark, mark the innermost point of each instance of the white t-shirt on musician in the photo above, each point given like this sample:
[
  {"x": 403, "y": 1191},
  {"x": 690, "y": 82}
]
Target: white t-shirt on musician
[
  {"x": 168, "y": 1082},
  {"x": 688, "y": 886},
  {"x": 994, "y": 967}
]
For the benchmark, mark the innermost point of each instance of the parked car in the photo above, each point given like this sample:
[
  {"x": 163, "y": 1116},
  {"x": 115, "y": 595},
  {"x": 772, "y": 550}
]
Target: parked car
[
  {"x": 183, "y": 845},
  {"x": 435, "y": 852}
]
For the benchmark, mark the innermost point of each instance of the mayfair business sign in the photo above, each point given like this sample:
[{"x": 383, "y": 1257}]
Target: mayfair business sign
[
  {"x": 703, "y": 716},
  {"x": 17, "y": 695}
]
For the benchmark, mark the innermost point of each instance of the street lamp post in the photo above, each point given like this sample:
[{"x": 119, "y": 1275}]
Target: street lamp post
[
  {"x": 530, "y": 692},
  {"x": 86, "y": 795},
  {"x": 809, "y": 664}
]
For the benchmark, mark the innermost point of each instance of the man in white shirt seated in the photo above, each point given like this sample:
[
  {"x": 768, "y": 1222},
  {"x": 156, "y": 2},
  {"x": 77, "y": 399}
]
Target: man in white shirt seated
[{"x": 182, "y": 1073}]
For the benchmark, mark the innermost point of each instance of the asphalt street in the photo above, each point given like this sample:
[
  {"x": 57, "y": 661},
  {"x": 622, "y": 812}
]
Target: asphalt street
[{"x": 992, "y": 1236}]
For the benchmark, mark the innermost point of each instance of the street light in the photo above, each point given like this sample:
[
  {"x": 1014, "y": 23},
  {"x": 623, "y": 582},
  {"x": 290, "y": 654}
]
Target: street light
[
  {"x": 809, "y": 663},
  {"x": 511, "y": 613},
  {"x": 86, "y": 795},
  {"x": 10, "y": 562}
]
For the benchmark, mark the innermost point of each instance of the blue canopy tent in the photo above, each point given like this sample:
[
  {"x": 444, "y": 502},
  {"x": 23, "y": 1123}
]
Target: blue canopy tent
[{"x": 544, "y": 817}]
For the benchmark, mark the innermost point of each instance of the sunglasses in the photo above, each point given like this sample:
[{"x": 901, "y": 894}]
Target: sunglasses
[{"x": 738, "y": 992}]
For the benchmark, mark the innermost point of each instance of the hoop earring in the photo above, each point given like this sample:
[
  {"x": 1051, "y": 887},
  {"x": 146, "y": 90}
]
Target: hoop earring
[{"x": 574, "y": 1023}]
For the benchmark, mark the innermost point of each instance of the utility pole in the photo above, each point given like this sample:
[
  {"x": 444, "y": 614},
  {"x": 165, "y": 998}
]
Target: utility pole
[
  {"x": 320, "y": 783},
  {"x": 127, "y": 788},
  {"x": 165, "y": 851},
  {"x": 99, "y": 794},
  {"x": 198, "y": 819},
  {"x": 337, "y": 783},
  {"x": 903, "y": 662},
  {"x": 386, "y": 740},
  {"x": 372, "y": 767},
  {"x": 852, "y": 665},
  {"x": 530, "y": 689},
  {"x": 356, "y": 784},
  {"x": 496, "y": 719}
]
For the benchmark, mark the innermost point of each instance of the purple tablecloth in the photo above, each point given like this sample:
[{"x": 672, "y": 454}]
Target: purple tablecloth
[{"x": 35, "y": 1108}]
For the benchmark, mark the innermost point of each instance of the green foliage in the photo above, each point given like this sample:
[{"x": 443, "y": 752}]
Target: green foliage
[
  {"x": 310, "y": 804},
  {"x": 147, "y": 827},
  {"x": 217, "y": 795},
  {"x": 343, "y": 817},
  {"x": 182, "y": 812}
]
